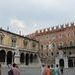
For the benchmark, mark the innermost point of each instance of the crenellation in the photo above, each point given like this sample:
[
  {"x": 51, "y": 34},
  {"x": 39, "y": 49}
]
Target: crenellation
[
  {"x": 48, "y": 29},
  {"x": 62, "y": 26},
  {"x": 52, "y": 28},
  {"x": 72, "y": 23},
  {"x": 36, "y": 32},
  {"x": 44, "y": 30},
  {"x": 40, "y": 31},
  {"x": 67, "y": 25},
  {"x": 57, "y": 27}
]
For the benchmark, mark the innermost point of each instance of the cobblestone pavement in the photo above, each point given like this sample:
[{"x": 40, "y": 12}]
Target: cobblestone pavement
[{"x": 24, "y": 71}]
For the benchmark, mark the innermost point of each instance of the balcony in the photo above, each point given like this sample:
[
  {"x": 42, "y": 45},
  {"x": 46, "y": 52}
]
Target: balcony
[{"x": 66, "y": 47}]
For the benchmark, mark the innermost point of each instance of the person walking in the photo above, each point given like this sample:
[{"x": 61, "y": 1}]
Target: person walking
[
  {"x": 10, "y": 72},
  {"x": 56, "y": 71},
  {"x": 43, "y": 70},
  {"x": 48, "y": 71},
  {"x": 15, "y": 69}
]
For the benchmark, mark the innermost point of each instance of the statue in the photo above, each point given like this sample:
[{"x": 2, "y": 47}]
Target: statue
[{"x": 17, "y": 52}]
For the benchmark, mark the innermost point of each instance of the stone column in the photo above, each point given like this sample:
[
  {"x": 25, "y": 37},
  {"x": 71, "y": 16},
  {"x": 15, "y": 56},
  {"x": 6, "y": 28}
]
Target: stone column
[
  {"x": 65, "y": 62},
  {"x": 57, "y": 60}
]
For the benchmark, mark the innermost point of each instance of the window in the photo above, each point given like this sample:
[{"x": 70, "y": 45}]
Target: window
[
  {"x": 41, "y": 46},
  {"x": 1, "y": 37},
  {"x": 52, "y": 53},
  {"x": 33, "y": 44},
  {"x": 53, "y": 45},
  {"x": 46, "y": 46},
  {"x": 64, "y": 52},
  {"x": 70, "y": 53},
  {"x": 71, "y": 43},
  {"x": 25, "y": 42},
  {"x": 57, "y": 52},
  {"x": 13, "y": 43}
]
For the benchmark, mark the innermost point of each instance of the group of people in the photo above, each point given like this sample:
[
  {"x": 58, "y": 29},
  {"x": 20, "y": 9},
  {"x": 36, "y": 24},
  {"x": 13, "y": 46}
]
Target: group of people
[
  {"x": 47, "y": 70},
  {"x": 14, "y": 70}
]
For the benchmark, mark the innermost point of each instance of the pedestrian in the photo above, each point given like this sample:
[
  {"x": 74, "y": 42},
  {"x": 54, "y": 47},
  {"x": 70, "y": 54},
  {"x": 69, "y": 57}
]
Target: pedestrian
[
  {"x": 56, "y": 70},
  {"x": 16, "y": 70},
  {"x": 43, "y": 72},
  {"x": 48, "y": 71},
  {"x": 10, "y": 72},
  {"x": 52, "y": 69}
]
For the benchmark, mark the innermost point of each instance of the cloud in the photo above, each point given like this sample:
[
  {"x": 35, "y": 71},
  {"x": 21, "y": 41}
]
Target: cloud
[
  {"x": 35, "y": 14},
  {"x": 18, "y": 23}
]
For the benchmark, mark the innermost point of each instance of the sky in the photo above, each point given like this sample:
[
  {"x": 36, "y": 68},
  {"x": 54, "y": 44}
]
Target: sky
[{"x": 27, "y": 16}]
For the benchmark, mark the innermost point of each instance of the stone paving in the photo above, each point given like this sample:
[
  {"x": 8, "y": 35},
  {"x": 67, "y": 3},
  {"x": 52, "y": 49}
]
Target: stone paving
[
  {"x": 24, "y": 71},
  {"x": 36, "y": 71}
]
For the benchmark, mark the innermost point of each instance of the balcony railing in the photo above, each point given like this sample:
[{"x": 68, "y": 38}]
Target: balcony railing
[{"x": 66, "y": 47}]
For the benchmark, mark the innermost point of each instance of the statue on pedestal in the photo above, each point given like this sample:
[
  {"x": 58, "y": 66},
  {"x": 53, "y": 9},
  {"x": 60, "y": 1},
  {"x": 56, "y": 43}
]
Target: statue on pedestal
[{"x": 17, "y": 56}]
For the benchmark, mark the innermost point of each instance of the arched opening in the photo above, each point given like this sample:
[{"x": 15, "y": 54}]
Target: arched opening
[
  {"x": 31, "y": 58},
  {"x": 22, "y": 57},
  {"x": 9, "y": 57},
  {"x": 27, "y": 59},
  {"x": 35, "y": 58},
  {"x": 2, "y": 56},
  {"x": 61, "y": 63},
  {"x": 70, "y": 63}
]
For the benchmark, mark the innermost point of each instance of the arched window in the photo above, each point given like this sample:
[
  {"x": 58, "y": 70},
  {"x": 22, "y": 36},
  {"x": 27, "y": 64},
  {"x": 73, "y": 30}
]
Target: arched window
[
  {"x": 31, "y": 58},
  {"x": 27, "y": 59},
  {"x": 1, "y": 37},
  {"x": 22, "y": 57},
  {"x": 70, "y": 63},
  {"x": 2, "y": 56},
  {"x": 61, "y": 63},
  {"x": 71, "y": 43},
  {"x": 9, "y": 57}
]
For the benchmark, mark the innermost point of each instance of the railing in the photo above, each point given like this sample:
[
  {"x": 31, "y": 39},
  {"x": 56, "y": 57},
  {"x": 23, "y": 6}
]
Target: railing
[{"x": 66, "y": 47}]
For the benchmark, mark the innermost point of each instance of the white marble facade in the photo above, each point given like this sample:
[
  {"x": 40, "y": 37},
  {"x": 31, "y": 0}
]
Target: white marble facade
[{"x": 62, "y": 57}]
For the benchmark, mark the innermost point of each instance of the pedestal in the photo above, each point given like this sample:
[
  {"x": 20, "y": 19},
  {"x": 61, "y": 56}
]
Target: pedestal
[{"x": 17, "y": 59}]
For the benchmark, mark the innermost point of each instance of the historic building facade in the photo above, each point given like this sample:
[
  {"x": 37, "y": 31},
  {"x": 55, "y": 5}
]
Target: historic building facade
[
  {"x": 57, "y": 45},
  {"x": 15, "y": 48}
]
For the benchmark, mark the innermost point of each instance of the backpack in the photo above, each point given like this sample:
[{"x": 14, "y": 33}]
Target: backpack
[{"x": 10, "y": 72}]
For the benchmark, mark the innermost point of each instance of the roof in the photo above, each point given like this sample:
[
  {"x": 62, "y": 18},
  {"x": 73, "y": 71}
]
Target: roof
[{"x": 17, "y": 35}]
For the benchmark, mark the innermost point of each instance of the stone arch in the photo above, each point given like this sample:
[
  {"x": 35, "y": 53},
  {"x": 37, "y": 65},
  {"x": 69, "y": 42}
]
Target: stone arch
[
  {"x": 22, "y": 57},
  {"x": 27, "y": 59},
  {"x": 31, "y": 58},
  {"x": 35, "y": 57},
  {"x": 61, "y": 63},
  {"x": 2, "y": 55},
  {"x": 9, "y": 57}
]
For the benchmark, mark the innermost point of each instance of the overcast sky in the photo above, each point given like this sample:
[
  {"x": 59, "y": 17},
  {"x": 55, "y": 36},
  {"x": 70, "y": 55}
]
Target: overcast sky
[{"x": 30, "y": 15}]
